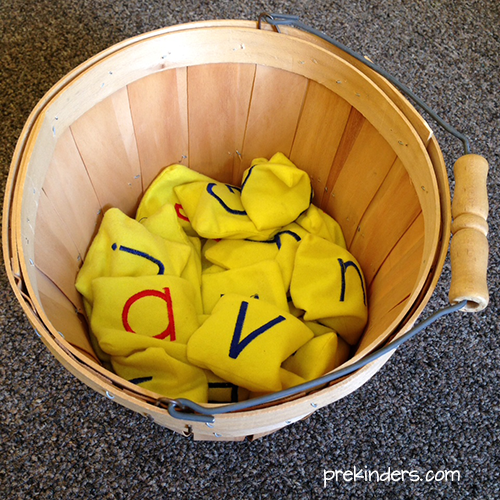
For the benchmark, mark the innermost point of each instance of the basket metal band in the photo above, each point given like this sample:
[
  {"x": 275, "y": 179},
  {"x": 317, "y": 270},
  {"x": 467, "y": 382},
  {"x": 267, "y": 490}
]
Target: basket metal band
[
  {"x": 187, "y": 410},
  {"x": 277, "y": 20}
]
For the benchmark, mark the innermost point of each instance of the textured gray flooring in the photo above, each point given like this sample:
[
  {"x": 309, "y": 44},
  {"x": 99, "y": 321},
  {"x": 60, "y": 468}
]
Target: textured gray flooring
[{"x": 434, "y": 406}]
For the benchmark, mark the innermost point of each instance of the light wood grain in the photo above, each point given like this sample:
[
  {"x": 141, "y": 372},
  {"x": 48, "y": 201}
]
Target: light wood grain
[
  {"x": 395, "y": 284},
  {"x": 275, "y": 109},
  {"x": 71, "y": 193},
  {"x": 317, "y": 140},
  {"x": 469, "y": 245},
  {"x": 105, "y": 138},
  {"x": 359, "y": 172},
  {"x": 64, "y": 316},
  {"x": 158, "y": 104},
  {"x": 219, "y": 99},
  {"x": 391, "y": 212},
  {"x": 55, "y": 253}
]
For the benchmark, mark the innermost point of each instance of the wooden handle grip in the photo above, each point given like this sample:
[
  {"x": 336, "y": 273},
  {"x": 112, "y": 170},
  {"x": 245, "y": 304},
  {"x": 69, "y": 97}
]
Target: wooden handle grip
[{"x": 469, "y": 245}]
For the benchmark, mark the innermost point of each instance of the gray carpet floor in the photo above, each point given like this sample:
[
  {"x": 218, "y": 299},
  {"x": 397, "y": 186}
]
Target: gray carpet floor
[{"x": 434, "y": 406}]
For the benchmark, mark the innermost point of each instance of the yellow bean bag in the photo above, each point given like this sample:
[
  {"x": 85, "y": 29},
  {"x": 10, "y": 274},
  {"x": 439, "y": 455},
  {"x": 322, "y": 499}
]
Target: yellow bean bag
[
  {"x": 222, "y": 391},
  {"x": 215, "y": 211},
  {"x": 262, "y": 280},
  {"x": 233, "y": 254},
  {"x": 155, "y": 370},
  {"x": 319, "y": 223},
  {"x": 158, "y": 307},
  {"x": 142, "y": 324},
  {"x": 318, "y": 356},
  {"x": 124, "y": 247},
  {"x": 275, "y": 192},
  {"x": 328, "y": 284},
  {"x": 161, "y": 192},
  {"x": 288, "y": 380},
  {"x": 245, "y": 341},
  {"x": 165, "y": 223}
]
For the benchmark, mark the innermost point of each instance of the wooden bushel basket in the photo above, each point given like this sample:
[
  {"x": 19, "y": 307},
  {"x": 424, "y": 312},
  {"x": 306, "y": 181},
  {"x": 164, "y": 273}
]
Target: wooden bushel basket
[{"x": 213, "y": 96}]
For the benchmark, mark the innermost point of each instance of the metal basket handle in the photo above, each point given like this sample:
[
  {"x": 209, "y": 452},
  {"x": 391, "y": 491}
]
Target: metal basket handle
[{"x": 185, "y": 409}]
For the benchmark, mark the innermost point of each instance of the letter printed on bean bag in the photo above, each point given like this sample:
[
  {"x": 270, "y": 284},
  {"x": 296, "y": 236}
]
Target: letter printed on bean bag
[
  {"x": 215, "y": 211},
  {"x": 160, "y": 307},
  {"x": 165, "y": 223},
  {"x": 222, "y": 391},
  {"x": 233, "y": 254}
]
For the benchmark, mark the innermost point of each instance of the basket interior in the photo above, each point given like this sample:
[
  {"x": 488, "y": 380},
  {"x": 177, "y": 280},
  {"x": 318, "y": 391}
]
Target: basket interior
[{"x": 369, "y": 169}]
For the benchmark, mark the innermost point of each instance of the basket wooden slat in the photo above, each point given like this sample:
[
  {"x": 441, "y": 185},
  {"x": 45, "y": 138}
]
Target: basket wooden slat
[
  {"x": 105, "y": 136},
  {"x": 397, "y": 275},
  {"x": 63, "y": 317},
  {"x": 393, "y": 286},
  {"x": 158, "y": 105},
  {"x": 316, "y": 141},
  {"x": 56, "y": 255},
  {"x": 421, "y": 126},
  {"x": 362, "y": 145},
  {"x": 274, "y": 113},
  {"x": 218, "y": 100},
  {"x": 374, "y": 239},
  {"x": 71, "y": 192}
]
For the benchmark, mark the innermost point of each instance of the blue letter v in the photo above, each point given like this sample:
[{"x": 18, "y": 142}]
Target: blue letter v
[{"x": 236, "y": 345}]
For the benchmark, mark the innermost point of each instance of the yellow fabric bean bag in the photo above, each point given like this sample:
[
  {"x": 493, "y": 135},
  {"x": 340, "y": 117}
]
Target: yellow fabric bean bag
[
  {"x": 117, "y": 342},
  {"x": 275, "y": 192},
  {"x": 205, "y": 246},
  {"x": 124, "y": 247},
  {"x": 298, "y": 313},
  {"x": 161, "y": 192},
  {"x": 288, "y": 241},
  {"x": 222, "y": 391},
  {"x": 212, "y": 269},
  {"x": 245, "y": 341},
  {"x": 155, "y": 370},
  {"x": 233, "y": 254},
  {"x": 317, "y": 328},
  {"x": 215, "y": 211},
  {"x": 318, "y": 356},
  {"x": 262, "y": 280},
  {"x": 317, "y": 222},
  {"x": 143, "y": 324},
  {"x": 288, "y": 380},
  {"x": 165, "y": 223},
  {"x": 327, "y": 282},
  {"x": 159, "y": 307}
]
